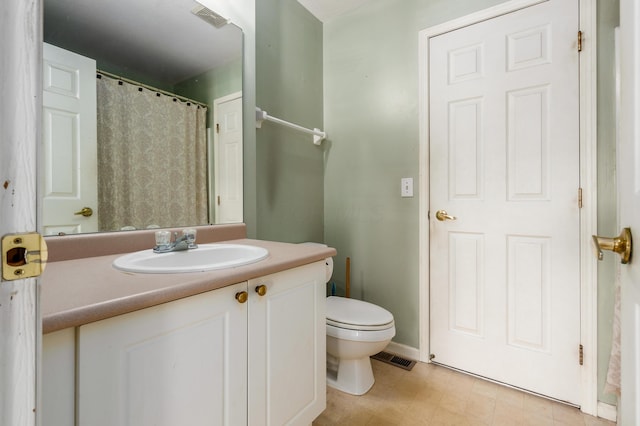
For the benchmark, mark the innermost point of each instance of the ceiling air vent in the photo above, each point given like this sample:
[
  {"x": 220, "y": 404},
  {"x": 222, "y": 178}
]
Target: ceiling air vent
[{"x": 210, "y": 16}]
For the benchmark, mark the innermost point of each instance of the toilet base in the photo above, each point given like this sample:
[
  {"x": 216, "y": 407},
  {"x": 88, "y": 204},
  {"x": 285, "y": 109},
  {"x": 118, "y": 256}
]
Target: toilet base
[{"x": 353, "y": 376}]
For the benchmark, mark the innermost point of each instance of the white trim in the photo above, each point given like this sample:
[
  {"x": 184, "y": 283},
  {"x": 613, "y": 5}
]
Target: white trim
[
  {"x": 588, "y": 176},
  {"x": 589, "y": 212},
  {"x": 479, "y": 16},
  {"x": 423, "y": 198},
  {"x": 607, "y": 411},
  {"x": 403, "y": 350}
]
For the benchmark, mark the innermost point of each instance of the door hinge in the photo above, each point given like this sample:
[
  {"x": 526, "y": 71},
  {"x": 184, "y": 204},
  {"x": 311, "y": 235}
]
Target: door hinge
[
  {"x": 23, "y": 256},
  {"x": 218, "y": 200},
  {"x": 581, "y": 357},
  {"x": 579, "y": 198},
  {"x": 579, "y": 41},
  {"x": 217, "y": 127}
]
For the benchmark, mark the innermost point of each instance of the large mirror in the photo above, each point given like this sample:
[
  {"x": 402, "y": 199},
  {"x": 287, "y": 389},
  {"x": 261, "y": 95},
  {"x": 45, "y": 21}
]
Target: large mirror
[{"x": 142, "y": 116}]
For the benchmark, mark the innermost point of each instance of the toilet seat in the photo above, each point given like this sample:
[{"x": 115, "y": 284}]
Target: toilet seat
[
  {"x": 361, "y": 335},
  {"x": 359, "y": 327},
  {"x": 352, "y": 314}
]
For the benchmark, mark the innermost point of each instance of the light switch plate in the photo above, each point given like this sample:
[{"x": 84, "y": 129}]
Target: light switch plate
[{"x": 406, "y": 187}]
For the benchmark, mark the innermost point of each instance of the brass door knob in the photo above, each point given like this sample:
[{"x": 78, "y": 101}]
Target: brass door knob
[
  {"x": 242, "y": 296},
  {"x": 442, "y": 215},
  {"x": 620, "y": 244},
  {"x": 86, "y": 212},
  {"x": 261, "y": 290}
]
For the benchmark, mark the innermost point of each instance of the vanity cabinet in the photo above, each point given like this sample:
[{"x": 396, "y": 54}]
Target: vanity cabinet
[{"x": 215, "y": 358}]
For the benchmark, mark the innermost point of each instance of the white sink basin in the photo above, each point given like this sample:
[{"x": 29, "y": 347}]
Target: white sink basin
[{"x": 206, "y": 257}]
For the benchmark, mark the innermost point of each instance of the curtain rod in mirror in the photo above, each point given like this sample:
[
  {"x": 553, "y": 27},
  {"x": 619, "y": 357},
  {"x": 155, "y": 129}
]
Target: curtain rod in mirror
[
  {"x": 318, "y": 135},
  {"x": 153, "y": 89}
]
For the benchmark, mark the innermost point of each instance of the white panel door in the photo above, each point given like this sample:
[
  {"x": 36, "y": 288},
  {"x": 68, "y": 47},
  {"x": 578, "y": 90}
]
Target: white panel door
[
  {"x": 504, "y": 161},
  {"x": 180, "y": 363},
  {"x": 228, "y": 159},
  {"x": 629, "y": 199},
  {"x": 69, "y": 142}
]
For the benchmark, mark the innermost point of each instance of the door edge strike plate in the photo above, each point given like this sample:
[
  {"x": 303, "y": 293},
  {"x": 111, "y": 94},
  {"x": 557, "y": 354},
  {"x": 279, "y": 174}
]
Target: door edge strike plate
[{"x": 23, "y": 256}]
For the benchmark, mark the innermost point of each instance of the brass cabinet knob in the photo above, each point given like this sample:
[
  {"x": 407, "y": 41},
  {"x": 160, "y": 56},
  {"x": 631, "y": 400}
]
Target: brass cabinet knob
[
  {"x": 86, "y": 212},
  {"x": 442, "y": 215},
  {"x": 261, "y": 290},
  {"x": 620, "y": 244},
  {"x": 242, "y": 296}
]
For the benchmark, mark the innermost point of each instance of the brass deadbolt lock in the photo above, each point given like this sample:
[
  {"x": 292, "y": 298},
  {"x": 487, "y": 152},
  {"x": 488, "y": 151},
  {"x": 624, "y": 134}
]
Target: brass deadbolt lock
[{"x": 23, "y": 256}]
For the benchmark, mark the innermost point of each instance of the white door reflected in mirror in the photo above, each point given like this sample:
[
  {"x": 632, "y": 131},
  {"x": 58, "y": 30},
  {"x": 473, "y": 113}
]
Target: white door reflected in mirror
[{"x": 69, "y": 142}]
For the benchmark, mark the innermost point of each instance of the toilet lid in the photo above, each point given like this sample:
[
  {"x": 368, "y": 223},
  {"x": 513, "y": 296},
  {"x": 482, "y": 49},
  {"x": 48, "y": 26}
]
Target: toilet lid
[{"x": 343, "y": 312}]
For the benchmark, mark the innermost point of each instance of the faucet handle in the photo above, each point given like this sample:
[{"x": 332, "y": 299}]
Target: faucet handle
[
  {"x": 163, "y": 238},
  {"x": 190, "y": 236}
]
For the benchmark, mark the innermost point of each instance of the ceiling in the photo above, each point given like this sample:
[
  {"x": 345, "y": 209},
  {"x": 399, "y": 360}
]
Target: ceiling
[
  {"x": 158, "y": 38},
  {"x": 325, "y": 10}
]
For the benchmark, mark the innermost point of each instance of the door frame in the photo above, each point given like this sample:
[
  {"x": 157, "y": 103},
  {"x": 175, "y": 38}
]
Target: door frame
[
  {"x": 20, "y": 119},
  {"x": 588, "y": 182}
]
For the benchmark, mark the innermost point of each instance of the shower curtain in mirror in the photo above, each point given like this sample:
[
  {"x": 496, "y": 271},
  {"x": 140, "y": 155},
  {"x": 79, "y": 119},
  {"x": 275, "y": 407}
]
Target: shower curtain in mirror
[{"x": 152, "y": 152}]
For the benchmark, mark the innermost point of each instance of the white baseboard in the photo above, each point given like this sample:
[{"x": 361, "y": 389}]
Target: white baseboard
[
  {"x": 403, "y": 350},
  {"x": 607, "y": 411}
]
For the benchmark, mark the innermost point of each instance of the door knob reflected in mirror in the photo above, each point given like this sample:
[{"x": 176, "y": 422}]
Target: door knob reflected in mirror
[
  {"x": 620, "y": 244},
  {"x": 442, "y": 215},
  {"x": 86, "y": 212}
]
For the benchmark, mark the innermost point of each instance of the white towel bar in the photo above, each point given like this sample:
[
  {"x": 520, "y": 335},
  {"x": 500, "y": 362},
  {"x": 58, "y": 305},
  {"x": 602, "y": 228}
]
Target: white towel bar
[{"x": 318, "y": 135}]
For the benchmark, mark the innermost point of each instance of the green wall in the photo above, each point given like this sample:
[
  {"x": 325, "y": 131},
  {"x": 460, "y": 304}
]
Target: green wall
[
  {"x": 371, "y": 116},
  {"x": 289, "y": 167},
  {"x": 213, "y": 84}
]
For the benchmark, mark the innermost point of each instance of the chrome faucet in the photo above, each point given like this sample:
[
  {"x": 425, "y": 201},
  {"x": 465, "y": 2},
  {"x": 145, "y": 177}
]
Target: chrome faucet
[{"x": 186, "y": 241}]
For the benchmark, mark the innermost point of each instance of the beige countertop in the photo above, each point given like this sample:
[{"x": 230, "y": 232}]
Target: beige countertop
[{"x": 80, "y": 291}]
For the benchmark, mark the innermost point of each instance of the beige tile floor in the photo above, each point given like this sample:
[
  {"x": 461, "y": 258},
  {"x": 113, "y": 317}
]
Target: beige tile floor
[{"x": 433, "y": 395}]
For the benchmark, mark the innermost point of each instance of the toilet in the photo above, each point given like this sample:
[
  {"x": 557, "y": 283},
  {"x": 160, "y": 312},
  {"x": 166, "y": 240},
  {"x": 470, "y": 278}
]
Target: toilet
[{"x": 355, "y": 331}]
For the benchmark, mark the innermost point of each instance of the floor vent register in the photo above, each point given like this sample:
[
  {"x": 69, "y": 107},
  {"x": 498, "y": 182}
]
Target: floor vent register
[{"x": 405, "y": 364}]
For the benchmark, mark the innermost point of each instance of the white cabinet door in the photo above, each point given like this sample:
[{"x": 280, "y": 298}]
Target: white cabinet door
[
  {"x": 287, "y": 379},
  {"x": 59, "y": 377},
  {"x": 180, "y": 363}
]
